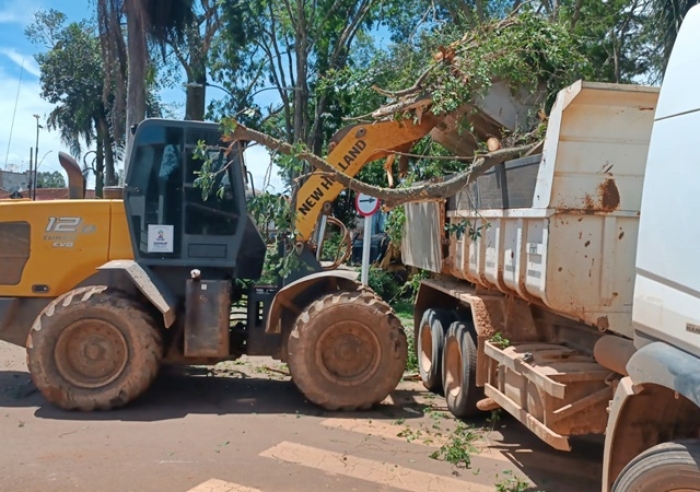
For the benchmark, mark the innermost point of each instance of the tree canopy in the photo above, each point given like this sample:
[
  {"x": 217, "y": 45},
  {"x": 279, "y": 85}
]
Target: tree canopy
[{"x": 300, "y": 70}]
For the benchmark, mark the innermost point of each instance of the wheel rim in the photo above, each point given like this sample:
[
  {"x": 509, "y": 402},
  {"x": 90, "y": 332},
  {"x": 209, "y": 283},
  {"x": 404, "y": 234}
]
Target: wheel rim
[
  {"x": 348, "y": 353},
  {"x": 91, "y": 353},
  {"x": 426, "y": 350},
  {"x": 453, "y": 368}
]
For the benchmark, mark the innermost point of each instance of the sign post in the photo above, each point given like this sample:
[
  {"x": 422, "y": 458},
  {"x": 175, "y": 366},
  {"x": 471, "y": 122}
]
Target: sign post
[{"x": 366, "y": 206}]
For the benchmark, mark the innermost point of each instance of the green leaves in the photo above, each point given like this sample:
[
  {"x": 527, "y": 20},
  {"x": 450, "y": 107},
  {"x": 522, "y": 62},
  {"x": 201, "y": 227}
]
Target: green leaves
[
  {"x": 459, "y": 448},
  {"x": 458, "y": 229}
]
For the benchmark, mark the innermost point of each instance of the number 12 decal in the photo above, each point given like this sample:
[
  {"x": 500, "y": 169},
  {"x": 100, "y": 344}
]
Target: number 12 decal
[{"x": 63, "y": 224}]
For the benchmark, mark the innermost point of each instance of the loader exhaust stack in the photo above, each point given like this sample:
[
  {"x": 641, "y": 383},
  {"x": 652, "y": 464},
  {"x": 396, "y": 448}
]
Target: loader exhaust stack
[{"x": 76, "y": 181}]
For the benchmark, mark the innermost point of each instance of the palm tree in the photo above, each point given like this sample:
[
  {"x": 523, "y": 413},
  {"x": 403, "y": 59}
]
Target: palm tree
[{"x": 126, "y": 62}]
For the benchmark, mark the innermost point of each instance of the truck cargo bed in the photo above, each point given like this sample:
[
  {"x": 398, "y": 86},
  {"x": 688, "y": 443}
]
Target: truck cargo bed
[{"x": 559, "y": 228}]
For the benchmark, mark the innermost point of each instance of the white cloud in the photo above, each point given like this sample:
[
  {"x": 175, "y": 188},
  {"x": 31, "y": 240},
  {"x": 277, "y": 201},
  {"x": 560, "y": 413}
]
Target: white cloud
[
  {"x": 23, "y": 131},
  {"x": 18, "y": 11},
  {"x": 26, "y": 61}
]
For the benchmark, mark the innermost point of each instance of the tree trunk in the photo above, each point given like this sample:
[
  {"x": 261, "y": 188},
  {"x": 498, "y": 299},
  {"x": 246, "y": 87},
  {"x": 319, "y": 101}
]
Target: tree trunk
[
  {"x": 99, "y": 166},
  {"x": 105, "y": 138},
  {"x": 195, "y": 104},
  {"x": 300, "y": 96},
  {"x": 138, "y": 60}
]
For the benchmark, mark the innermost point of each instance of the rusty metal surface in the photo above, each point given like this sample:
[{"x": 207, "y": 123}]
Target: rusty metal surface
[
  {"x": 113, "y": 192},
  {"x": 642, "y": 416},
  {"x": 557, "y": 441},
  {"x": 76, "y": 181},
  {"x": 207, "y": 313},
  {"x": 614, "y": 353},
  {"x": 554, "y": 390},
  {"x": 491, "y": 313}
]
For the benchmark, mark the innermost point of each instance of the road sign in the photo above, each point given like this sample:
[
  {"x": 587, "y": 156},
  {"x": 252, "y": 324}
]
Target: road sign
[{"x": 366, "y": 205}]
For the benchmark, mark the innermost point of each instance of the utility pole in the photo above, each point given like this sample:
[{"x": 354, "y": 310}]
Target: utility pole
[
  {"x": 36, "y": 156},
  {"x": 31, "y": 160}
]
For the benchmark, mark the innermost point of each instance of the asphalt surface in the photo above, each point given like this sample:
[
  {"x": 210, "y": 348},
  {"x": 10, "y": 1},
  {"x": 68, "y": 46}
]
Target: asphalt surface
[{"x": 243, "y": 427}]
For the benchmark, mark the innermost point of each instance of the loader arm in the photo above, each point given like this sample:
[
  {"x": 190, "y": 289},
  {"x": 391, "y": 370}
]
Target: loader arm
[{"x": 350, "y": 149}]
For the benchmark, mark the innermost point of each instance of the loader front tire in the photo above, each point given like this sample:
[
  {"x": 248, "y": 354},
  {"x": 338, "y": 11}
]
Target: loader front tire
[
  {"x": 93, "y": 349},
  {"x": 347, "y": 351}
]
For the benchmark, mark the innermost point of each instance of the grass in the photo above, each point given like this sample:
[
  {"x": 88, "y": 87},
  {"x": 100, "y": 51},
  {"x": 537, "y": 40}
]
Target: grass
[{"x": 404, "y": 310}]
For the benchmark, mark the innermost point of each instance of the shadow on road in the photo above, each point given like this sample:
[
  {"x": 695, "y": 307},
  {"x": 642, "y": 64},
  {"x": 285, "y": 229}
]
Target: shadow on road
[
  {"x": 580, "y": 469},
  {"x": 175, "y": 395}
]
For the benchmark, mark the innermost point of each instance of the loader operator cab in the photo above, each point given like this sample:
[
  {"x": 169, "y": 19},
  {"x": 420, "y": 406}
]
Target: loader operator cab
[{"x": 170, "y": 219}]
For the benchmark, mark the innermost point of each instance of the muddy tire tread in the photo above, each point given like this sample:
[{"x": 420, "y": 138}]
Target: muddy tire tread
[
  {"x": 464, "y": 406},
  {"x": 646, "y": 472},
  {"x": 146, "y": 351},
  {"x": 432, "y": 380},
  {"x": 298, "y": 344}
]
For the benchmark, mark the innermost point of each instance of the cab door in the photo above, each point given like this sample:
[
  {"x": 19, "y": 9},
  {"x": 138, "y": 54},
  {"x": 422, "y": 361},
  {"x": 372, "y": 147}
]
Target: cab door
[{"x": 169, "y": 217}]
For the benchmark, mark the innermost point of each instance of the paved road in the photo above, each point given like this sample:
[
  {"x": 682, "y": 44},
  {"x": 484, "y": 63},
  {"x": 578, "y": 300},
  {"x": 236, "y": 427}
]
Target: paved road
[{"x": 245, "y": 428}]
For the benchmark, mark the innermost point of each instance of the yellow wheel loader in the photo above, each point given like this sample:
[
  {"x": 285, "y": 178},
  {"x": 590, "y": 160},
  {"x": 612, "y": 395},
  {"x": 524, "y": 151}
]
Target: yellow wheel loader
[{"x": 104, "y": 292}]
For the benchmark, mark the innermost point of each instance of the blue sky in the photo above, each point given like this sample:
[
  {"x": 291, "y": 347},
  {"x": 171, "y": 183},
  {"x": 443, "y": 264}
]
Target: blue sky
[{"x": 20, "y": 93}]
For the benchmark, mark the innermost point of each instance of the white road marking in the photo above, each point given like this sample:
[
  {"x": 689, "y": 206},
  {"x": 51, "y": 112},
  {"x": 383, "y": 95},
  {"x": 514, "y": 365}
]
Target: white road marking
[
  {"x": 386, "y": 474},
  {"x": 405, "y": 433},
  {"x": 550, "y": 461},
  {"x": 216, "y": 485}
]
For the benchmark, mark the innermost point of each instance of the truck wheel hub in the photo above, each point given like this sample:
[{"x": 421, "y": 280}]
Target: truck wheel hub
[{"x": 91, "y": 353}]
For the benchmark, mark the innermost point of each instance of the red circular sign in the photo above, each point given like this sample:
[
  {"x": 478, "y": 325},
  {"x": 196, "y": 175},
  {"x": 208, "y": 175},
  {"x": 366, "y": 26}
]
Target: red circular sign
[{"x": 366, "y": 205}]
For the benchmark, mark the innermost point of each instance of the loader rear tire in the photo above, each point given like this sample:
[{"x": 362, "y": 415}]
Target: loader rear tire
[
  {"x": 347, "y": 351},
  {"x": 93, "y": 349}
]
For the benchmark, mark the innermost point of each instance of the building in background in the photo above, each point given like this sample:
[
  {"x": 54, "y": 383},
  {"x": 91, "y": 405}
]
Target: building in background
[{"x": 14, "y": 182}]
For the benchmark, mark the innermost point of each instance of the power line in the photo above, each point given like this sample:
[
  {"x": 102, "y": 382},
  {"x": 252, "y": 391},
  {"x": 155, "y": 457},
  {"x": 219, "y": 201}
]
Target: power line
[{"x": 12, "y": 126}]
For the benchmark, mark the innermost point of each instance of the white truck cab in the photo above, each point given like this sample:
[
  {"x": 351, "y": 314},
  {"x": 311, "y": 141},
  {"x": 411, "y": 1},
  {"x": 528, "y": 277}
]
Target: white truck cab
[
  {"x": 667, "y": 286},
  {"x": 653, "y": 433}
]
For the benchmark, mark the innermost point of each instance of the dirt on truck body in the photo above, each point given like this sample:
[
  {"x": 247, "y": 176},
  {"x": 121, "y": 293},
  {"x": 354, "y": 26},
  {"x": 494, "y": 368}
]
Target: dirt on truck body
[{"x": 529, "y": 303}]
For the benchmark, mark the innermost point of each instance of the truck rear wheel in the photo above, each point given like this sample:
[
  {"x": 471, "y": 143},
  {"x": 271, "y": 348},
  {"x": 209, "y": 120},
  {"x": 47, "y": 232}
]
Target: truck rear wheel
[
  {"x": 430, "y": 341},
  {"x": 667, "y": 467},
  {"x": 347, "y": 351},
  {"x": 459, "y": 371},
  {"x": 93, "y": 350}
]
